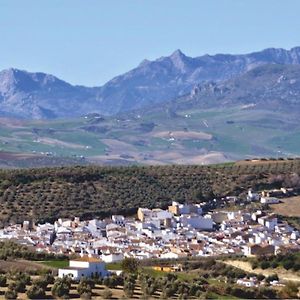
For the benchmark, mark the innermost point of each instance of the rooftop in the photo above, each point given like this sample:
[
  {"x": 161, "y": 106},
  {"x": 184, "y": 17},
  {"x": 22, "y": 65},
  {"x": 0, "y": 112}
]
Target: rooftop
[{"x": 88, "y": 259}]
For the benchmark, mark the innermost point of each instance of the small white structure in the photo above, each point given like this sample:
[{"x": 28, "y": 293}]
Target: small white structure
[
  {"x": 197, "y": 222},
  {"x": 118, "y": 219},
  {"x": 112, "y": 257},
  {"x": 252, "y": 196},
  {"x": 268, "y": 221},
  {"x": 85, "y": 266},
  {"x": 269, "y": 200},
  {"x": 247, "y": 282}
]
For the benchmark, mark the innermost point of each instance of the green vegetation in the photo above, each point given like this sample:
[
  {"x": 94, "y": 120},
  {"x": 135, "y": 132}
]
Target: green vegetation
[
  {"x": 49, "y": 193},
  {"x": 12, "y": 250},
  {"x": 203, "y": 278},
  {"x": 288, "y": 261},
  {"x": 56, "y": 263}
]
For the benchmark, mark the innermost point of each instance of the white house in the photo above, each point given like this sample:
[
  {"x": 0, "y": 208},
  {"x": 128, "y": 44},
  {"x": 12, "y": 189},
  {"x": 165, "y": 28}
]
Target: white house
[
  {"x": 252, "y": 196},
  {"x": 118, "y": 219},
  {"x": 112, "y": 257},
  {"x": 85, "y": 266},
  {"x": 247, "y": 282},
  {"x": 197, "y": 222}
]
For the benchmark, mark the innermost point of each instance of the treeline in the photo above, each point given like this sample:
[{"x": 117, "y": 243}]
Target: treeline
[
  {"x": 289, "y": 261},
  {"x": 49, "y": 193},
  {"x": 11, "y": 250}
]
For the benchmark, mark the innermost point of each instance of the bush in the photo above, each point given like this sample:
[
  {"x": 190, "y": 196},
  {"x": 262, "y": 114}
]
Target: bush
[
  {"x": 18, "y": 286},
  {"x": 36, "y": 292},
  {"x": 130, "y": 265},
  {"x": 25, "y": 278},
  {"x": 61, "y": 287},
  {"x": 265, "y": 265},
  {"x": 11, "y": 294},
  {"x": 3, "y": 280},
  {"x": 84, "y": 289},
  {"x": 49, "y": 278},
  {"x": 288, "y": 264}
]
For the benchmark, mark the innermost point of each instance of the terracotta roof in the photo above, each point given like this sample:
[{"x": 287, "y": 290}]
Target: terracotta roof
[{"x": 87, "y": 259}]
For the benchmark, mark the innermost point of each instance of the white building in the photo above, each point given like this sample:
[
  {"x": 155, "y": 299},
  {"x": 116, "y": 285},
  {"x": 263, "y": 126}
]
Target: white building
[
  {"x": 112, "y": 257},
  {"x": 84, "y": 267},
  {"x": 269, "y": 200},
  {"x": 118, "y": 219},
  {"x": 197, "y": 222},
  {"x": 252, "y": 196}
]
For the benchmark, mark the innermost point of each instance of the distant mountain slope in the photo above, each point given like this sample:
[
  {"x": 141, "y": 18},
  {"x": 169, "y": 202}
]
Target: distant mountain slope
[
  {"x": 169, "y": 77},
  {"x": 273, "y": 87},
  {"x": 39, "y": 95},
  {"x": 42, "y": 96},
  {"x": 255, "y": 114}
]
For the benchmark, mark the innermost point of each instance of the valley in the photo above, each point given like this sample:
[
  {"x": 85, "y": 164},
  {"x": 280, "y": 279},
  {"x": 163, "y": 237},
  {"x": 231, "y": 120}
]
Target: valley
[{"x": 192, "y": 136}]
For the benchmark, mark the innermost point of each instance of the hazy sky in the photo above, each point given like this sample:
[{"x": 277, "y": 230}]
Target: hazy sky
[{"x": 90, "y": 41}]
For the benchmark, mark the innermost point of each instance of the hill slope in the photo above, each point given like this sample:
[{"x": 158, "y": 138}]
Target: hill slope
[
  {"x": 43, "y": 96},
  {"x": 46, "y": 194}
]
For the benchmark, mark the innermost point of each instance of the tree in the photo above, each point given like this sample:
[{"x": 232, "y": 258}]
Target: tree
[
  {"x": 84, "y": 289},
  {"x": 25, "y": 278},
  {"x": 3, "y": 280},
  {"x": 61, "y": 287},
  {"x": 129, "y": 286},
  {"x": 18, "y": 286},
  {"x": 11, "y": 294},
  {"x": 36, "y": 292},
  {"x": 130, "y": 265},
  {"x": 265, "y": 265}
]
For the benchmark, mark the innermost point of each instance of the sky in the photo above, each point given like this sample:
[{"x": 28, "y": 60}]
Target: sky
[{"x": 88, "y": 42}]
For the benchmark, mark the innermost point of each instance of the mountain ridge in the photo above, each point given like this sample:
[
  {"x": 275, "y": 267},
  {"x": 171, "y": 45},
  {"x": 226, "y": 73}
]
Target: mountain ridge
[{"x": 43, "y": 96}]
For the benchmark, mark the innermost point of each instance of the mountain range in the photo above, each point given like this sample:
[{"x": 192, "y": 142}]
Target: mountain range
[
  {"x": 174, "y": 110},
  {"x": 42, "y": 96}
]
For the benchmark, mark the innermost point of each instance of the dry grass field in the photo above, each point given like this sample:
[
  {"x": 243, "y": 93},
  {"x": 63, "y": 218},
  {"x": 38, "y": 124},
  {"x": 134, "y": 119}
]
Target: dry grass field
[
  {"x": 289, "y": 207},
  {"x": 282, "y": 273},
  {"x": 20, "y": 266}
]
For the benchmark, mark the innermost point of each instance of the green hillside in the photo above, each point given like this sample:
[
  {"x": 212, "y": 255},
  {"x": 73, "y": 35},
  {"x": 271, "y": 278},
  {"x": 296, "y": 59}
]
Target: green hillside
[{"x": 46, "y": 194}]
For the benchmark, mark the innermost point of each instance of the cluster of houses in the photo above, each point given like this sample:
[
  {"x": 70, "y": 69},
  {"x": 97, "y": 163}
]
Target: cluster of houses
[{"x": 180, "y": 231}]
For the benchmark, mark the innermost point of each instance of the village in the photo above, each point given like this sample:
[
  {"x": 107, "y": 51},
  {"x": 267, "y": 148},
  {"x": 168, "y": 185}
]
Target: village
[{"x": 182, "y": 230}]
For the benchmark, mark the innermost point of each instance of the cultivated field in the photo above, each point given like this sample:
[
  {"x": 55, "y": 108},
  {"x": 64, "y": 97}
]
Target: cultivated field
[{"x": 289, "y": 207}]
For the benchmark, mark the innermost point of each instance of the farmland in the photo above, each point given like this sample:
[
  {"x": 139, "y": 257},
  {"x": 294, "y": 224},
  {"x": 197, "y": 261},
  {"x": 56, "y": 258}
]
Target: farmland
[{"x": 289, "y": 207}]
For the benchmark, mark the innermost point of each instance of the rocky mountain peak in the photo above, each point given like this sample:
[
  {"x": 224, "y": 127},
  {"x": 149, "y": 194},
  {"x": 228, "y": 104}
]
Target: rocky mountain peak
[{"x": 179, "y": 60}]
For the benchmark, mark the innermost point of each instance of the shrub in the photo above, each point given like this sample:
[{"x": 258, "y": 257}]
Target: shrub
[
  {"x": 3, "y": 280},
  {"x": 265, "y": 265},
  {"x": 130, "y": 265},
  {"x": 11, "y": 294},
  {"x": 61, "y": 287},
  {"x": 36, "y": 292},
  {"x": 288, "y": 264},
  {"x": 25, "y": 278},
  {"x": 18, "y": 286},
  {"x": 84, "y": 289}
]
